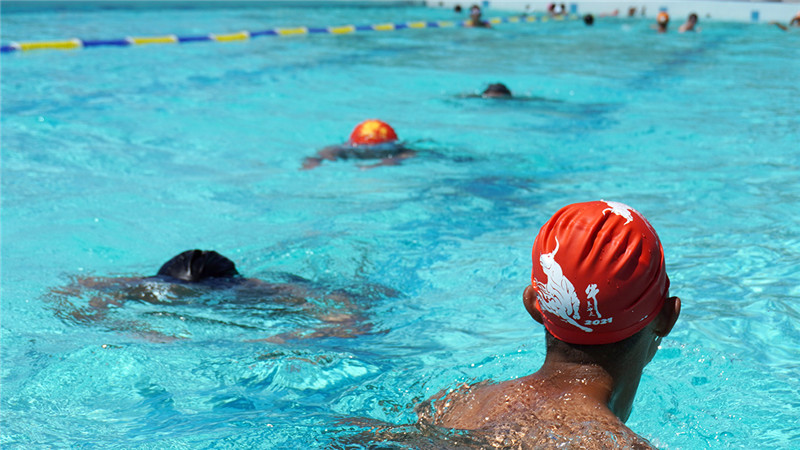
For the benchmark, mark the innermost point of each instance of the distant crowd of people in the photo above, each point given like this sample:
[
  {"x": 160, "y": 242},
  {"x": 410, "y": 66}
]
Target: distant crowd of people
[{"x": 661, "y": 25}]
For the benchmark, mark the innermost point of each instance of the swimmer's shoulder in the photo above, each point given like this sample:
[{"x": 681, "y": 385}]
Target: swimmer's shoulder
[
  {"x": 525, "y": 414},
  {"x": 472, "y": 406}
]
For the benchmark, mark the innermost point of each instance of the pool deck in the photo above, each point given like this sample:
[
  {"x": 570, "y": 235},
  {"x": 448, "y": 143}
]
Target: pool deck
[{"x": 733, "y": 11}]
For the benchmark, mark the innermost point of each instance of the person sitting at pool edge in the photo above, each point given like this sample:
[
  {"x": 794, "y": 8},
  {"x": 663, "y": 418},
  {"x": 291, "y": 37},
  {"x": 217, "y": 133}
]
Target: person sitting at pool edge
[
  {"x": 475, "y": 20},
  {"x": 600, "y": 288},
  {"x": 371, "y": 139},
  {"x": 496, "y": 90},
  {"x": 690, "y": 24}
]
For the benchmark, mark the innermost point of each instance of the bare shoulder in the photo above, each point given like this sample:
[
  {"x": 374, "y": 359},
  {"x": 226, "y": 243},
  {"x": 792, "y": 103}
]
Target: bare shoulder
[
  {"x": 548, "y": 434},
  {"x": 461, "y": 408},
  {"x": 522, "y": 414}
]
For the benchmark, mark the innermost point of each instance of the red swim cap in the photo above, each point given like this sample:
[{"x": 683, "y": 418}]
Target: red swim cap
[
  {"x": 371, "y": 132},
  {"x": 662, "y": 17},
  {"x": 598, "y": 270}
]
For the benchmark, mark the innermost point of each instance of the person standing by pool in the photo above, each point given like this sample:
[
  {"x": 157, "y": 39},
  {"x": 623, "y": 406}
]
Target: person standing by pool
[
  {"x": 371, "y": 139},
  {"x": 600, "y": 288}
]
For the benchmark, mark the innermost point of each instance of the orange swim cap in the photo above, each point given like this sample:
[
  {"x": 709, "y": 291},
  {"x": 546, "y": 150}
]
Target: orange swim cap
[
  {"x": 371, "y": 132},
  {"x": 662, "y": 17},
  {"x": 598, "y": 270}
]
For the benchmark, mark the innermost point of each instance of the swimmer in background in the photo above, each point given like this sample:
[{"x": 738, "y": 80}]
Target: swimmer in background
[
  {"x": 371, "y": 139},
  {"x": 690, "y": 24},
  {"x": 662, "y": 22},
  {"x": 496, "y": 90},
  {"x": 499, "y": 91},
  {"x": 194, "y": 274},
  {"x": 600, "y": 289},
  {"x": 588, "y": 19},
  {"x": 475, "y": 20},
  {"x": 795, "y": 22}
]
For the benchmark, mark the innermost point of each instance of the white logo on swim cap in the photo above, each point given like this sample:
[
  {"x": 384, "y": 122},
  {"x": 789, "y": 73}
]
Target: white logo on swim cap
[
  {"x": 558, "y": 295},
  {"x": 619, "y": 209},
  {"x": 591, "y": 293}
]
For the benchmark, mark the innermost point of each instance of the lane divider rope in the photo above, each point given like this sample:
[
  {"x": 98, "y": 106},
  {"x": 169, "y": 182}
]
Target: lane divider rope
[{"x": 75, "y": 43}]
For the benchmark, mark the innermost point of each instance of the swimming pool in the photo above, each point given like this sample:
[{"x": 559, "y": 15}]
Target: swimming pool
[{"x": 116, "y": 159}]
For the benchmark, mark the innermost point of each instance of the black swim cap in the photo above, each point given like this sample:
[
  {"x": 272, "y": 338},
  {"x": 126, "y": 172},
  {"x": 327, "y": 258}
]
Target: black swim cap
[
  {"x": 197, "y": 265},
  {"x": 497, "y": 89}
]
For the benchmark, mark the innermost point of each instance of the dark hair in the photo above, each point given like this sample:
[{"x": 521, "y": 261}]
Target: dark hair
[
  {"x": 197, "y": 265},
  {"x": 457, "y": 8},
  {"x": 588, "y": 19},
  {"x": 693, "y": 16},
  {"x": 497, "y": 89},
  {"x": 593, "y": 353}
]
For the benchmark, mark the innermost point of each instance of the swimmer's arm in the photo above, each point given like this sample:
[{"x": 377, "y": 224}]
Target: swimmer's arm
[
  {"x": 343, "y": 319},
  {"x": 98, "y": 304},
  {"x": 779, "y": 25},
  {"x": 330, "y": 153},
  {"x": 94, "y": 283}
]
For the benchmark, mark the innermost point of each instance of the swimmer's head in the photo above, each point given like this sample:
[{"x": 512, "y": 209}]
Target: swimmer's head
[
  {"x": 662, "y": 18},
  {"x": 598, "y": 273},
  {"x": 497, "y": 90},
  {"x": 588, "y": 19},
  {"x": 475, "y": 11},
  {"x": 198, "y": 265},
  {"x": 372, "y": 132}
]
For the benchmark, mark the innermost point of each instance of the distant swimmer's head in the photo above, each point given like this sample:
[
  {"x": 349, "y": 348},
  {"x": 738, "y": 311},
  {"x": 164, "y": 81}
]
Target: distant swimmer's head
[
  {"x": 198, "y": 265},
  {"x": 588, "y": 20},
  {"x": 662, "y": 18},
  {"x": 372, "y": 132},
  {"x": 497, "y": 90},
  {"x": 475, "y": 11},
  {"x": 598, "y": 273}
]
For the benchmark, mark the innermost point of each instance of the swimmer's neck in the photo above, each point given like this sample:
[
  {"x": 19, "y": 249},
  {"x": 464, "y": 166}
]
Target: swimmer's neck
[{"x": 611, "y": 385}]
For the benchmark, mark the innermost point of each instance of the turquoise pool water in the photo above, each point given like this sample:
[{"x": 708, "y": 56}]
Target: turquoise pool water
[{"x": 116, "y": 159}]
